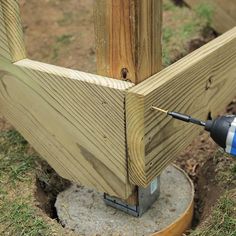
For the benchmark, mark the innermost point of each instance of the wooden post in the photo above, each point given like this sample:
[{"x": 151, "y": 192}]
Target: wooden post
[
  {"x": 128, "y": 37},
  {"x": 11, "y": 31},
  {"x": 128, "y": 41}
]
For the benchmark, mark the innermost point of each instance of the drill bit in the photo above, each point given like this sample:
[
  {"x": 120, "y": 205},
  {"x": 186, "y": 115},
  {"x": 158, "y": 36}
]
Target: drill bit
[
  {"x": 159, "y": 109},
  {"x": 180, "y": 116}
]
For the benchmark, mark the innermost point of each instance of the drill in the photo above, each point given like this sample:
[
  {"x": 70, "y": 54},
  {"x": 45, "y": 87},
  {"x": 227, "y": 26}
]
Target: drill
[{"x": 222, "y": 129}]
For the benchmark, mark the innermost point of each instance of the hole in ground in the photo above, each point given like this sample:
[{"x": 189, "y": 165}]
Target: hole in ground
[
  {"x": 179, "y": 3},
  {"x": 206, "y": 187},
  {"x": 207, "y": 34},
  {"x": 48, "y": 185},
  {"x": 207, "y": 192}
]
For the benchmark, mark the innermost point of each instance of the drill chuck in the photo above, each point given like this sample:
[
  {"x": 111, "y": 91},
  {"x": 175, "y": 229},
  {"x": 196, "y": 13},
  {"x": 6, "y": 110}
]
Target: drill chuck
[
  {"x": 223, "y": 131},
  {"x": 186, "y": 118}
]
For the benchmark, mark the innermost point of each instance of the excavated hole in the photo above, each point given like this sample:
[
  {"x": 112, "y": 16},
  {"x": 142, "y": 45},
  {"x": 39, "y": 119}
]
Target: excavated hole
[
  {"x": 206, "y": 187},
  {"x": 48, "y": 185},
  {"x": 180, "y": 3}
]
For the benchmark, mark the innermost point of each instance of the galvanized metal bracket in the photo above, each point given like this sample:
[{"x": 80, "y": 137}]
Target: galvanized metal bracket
[{"x": 146, "y": 198}]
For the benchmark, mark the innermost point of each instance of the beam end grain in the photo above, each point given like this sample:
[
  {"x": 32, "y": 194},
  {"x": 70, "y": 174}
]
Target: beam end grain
[
  {"x": 135, "y": 135},
  {"x": 202, "y": 82}
]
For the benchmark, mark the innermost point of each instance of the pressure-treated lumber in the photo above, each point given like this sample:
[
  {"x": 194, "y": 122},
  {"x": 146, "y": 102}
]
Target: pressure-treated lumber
[
  {"x": 73, "y": 119},
  {"x": 128, "y": 42},
  {"x": 11, "y": 34},
  {"x": 128, "y": 36},
  {"x": 223, "y": 12},
  {"x": 202, "y": 82}
]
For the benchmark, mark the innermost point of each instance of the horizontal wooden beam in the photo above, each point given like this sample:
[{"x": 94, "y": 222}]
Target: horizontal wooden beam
[
  {"x": 223, "y": 12},
  {"x": 75, "y": 120},
  {"x": 202, "y": 82}
]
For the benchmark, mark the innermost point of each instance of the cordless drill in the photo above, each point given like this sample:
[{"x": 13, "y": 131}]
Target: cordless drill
[{"x": 222, "y": 129}]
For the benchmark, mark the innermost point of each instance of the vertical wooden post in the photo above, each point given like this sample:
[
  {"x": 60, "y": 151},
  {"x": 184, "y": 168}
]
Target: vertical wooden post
[
  {"x": 10, "y": 15},
  {"x": 128, "y": 37},
  {"x": 128, "y": 41}
]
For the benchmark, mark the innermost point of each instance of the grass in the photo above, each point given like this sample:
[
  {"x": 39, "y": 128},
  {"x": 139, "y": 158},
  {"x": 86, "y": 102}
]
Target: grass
[
  {"x": 64, "y": 39},
  {"x": 222, "y": 222},
  {"x": 18, "y": 216},
  {"x": 21, "y": 219},
  {"x": 225, "y": 170},
  {"x": 205, "y": 12},
  {"x": 15, "y": 162},
  {"x": 60, "y": 42},
  {"x": 169, "y": 6},
  {"x": 188, "y": 29},
  {"x": 181, "y": 26}
]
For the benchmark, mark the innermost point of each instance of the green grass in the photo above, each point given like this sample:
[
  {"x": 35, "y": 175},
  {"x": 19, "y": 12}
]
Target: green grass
[
  {"x": 15, "y": 162},
  {"x": 205, "y": 12},
  {"x": 227, "y": 177},
  {"x": 222, "y": 222},
  {"x": 225, "y": 170},
  {"x": 167, "y": 34},
  {"x": 17, "y": 215},
  {"x": 169, "y": 6},
  {"x": 20, "y": 218},
  {"x": 60, "y": 42},
  {"x": 188, "y": 29},
  {"x": 166, "y": 56},
  {"x": 182, "y": 25},
  {"x": 64, "y": 39}
]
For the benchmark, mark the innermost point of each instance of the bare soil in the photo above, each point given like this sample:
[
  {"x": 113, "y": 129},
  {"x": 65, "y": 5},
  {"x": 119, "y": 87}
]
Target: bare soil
[{"x": 60, "y": 32}]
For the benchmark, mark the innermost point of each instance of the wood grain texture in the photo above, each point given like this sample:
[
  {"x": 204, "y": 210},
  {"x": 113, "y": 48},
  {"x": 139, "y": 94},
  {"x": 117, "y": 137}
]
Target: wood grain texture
[
  {"x": 224, "y": 13},
  {"x": 73, "y": 119},
  {"x": 128, "y": 36},
  {"x": 202, "y": 82},
  {"x": 11, "y": 34}
]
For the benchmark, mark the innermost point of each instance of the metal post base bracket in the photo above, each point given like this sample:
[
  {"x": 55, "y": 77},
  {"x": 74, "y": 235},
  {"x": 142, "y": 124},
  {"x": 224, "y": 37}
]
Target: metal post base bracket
[{"x": 146, "y": 197}]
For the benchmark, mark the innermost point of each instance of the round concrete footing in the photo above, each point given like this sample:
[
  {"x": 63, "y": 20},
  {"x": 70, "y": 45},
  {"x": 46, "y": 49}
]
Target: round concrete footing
[{"x": 83, "y": 210}]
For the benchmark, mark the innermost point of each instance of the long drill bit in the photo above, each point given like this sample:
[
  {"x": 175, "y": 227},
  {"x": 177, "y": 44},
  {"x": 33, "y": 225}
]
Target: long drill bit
[{"x": 180, "y": 116}]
